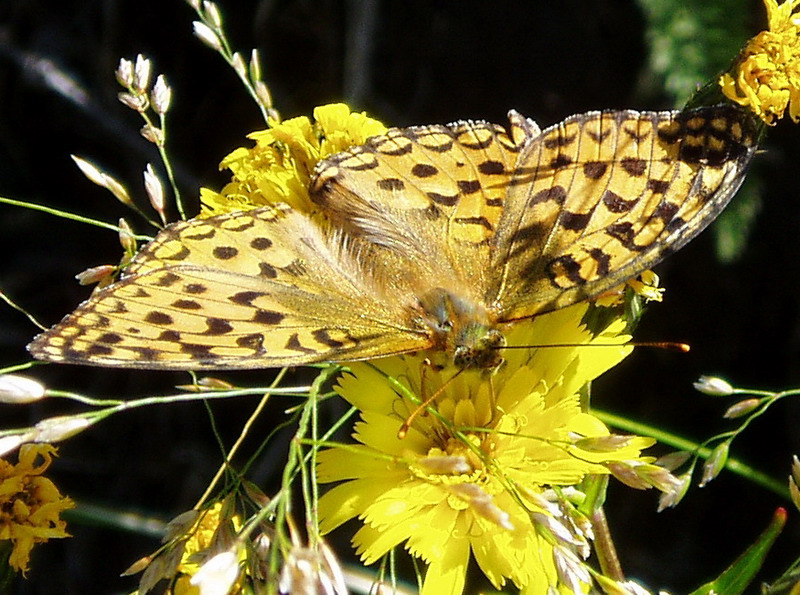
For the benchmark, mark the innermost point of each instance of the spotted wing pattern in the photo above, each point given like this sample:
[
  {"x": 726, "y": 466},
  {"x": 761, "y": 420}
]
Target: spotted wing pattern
[
  {"x": 602, "y": 196},
  {"x": 245, "y": 290},
  {"x": 437, "y": 192},
  {"x": 559, "y": 215},
  {"x": 424, "y": 224}
]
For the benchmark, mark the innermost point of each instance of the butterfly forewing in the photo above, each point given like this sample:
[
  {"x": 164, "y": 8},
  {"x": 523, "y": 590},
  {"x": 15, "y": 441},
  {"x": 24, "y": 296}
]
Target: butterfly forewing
[
  {"x": 246, "y": 290},
  {"x": 603, "y": 196}
]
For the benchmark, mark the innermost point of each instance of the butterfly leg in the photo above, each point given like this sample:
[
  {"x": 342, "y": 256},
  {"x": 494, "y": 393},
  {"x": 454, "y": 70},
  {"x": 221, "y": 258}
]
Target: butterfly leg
[{"x": 422, "y": 408}]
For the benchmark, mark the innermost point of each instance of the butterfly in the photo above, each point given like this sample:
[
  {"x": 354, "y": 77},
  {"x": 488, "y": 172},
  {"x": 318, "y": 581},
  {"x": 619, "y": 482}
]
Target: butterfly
[{"x": 428, "y": 237}]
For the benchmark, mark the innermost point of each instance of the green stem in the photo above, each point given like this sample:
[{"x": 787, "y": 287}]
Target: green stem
[{"x": 66, "y": 215}]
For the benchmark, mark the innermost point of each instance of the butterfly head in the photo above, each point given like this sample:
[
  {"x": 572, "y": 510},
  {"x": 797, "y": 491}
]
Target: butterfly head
[{"x": 463, "y": 329}]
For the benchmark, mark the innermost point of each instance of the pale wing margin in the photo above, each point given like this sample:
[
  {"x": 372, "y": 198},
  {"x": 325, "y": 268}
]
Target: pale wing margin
[
  {"x": 556, "y": 246},
  {"x": 312, "y": 301}
]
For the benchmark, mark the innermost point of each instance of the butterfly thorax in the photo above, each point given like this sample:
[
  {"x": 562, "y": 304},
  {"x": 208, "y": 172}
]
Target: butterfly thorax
[{"x": 461, "y": 328}]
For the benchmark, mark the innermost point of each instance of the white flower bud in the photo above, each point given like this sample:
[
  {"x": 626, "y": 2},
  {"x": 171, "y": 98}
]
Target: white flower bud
[
  {"x": 715, "y": 463},
  {"x": 213, "y": 14},
  {"x": 124, "y": 73},
  {"x": 154, "y": 189},
  {"x": 137, "y": 103},
  {"x": 126, "y": 238},
  {"x": 571, "y": 570},
  {"x": 713, "y": 386},
  {"x": 95, "y": 274},
  {"x": 141, "y": 73},
  {"x": 217, "y": 575},
  {"x": 161, "y": 95},
  {"x": 265, "y": 97},
  {"x": 671, "y": 498},
  {"x": 18, "y": 390},
  {"x": 10, "y": 443},
  {"x": 205, "y": 34},
  {"x": 239, "y": 66},
  {"x": 56, "y": 429},
  {"x": 152, "y": 134}
]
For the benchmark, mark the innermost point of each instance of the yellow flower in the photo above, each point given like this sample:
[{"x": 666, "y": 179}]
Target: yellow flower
[
  {"x": 485, "y": 475},
  {"x": 766, "y": 75},
  {"x": 203, "y": 536},
  {"x": 30, "y": 505},
  {"x": 645, "y": 285},
  {"x": 279, "y": 167}
]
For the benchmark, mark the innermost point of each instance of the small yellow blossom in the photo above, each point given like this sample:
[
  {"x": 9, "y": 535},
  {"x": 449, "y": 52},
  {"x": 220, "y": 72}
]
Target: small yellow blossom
[
  {"x": 766, "y": 75},
  {"x": 475, "y": 478},
  {"x": 645, "y": 285},
  {"x": 197, "y": 549},
  {"x": 30, "y": 504},
  {"x": 280, "y": 166}
]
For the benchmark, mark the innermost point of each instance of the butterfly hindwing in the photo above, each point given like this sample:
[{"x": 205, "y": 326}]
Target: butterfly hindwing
[{"x": 434, "y": 193}]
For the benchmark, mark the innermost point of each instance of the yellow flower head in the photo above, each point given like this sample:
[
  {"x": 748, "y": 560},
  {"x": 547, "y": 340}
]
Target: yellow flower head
[
  {"x": 30, "y": 504},
  {"x": 279, "y": 167},
  {"x": 475, "y": 478},
  {"x": 766, "y": 75},
  {"x": 202, "y": 543},
  {"x": 202, "y": 537}
]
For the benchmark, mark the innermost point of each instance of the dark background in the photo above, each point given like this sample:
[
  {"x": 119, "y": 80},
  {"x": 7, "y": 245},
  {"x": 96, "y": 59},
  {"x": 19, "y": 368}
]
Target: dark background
[{"x": 405, "y": 63}]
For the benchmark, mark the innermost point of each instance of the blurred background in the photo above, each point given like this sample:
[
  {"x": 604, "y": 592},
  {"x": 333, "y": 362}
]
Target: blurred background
[{"x": 732, "y": 293}]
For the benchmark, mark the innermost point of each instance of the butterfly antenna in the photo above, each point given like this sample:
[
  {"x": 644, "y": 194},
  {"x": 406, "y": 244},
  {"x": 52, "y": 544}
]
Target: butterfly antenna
[
  {"x": 403, "y": 431},
  {"x": 668, "y": 345}
]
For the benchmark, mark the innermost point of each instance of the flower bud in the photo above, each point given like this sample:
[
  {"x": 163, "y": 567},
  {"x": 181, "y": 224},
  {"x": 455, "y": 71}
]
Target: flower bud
[
  {"x": 671, "y": 498},
  {"x": 137, "y": 103},
  {"x": 152, "y": 134},
  {"x": 126, "y": 239},
  {"x": 155, "y": 190},
  {"x": 205, "y": 34},
  {"x": 18, "y": 390},
  {"x": 124, "y": 73},
  {"x": 10, "y": 443},
  {"x": 239, "y": 66},
  {"x": 741, "y": 408},
  {"x": 141, "y": 74},
  {"x": 713, "y": 386},
  {"x": 673, "y": 460},
  {"x": 217, "y": 574},
  {"x": 609, "y": 443},
  {"x": 56, "y": 429},
  {"x": 95, "y": 274},
  {"x": 213, "y": 14},
  {"x": 161, "y": 95},
  {"x": 715, "y": 463}
]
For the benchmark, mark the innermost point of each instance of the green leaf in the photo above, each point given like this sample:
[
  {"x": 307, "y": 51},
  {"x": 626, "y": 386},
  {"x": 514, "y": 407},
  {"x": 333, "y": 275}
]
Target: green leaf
[{"x": 738, "y": 576}]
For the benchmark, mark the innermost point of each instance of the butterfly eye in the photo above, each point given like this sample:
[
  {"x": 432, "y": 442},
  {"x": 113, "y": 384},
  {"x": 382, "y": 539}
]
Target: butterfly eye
[{"x": 445, "y": 326}]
